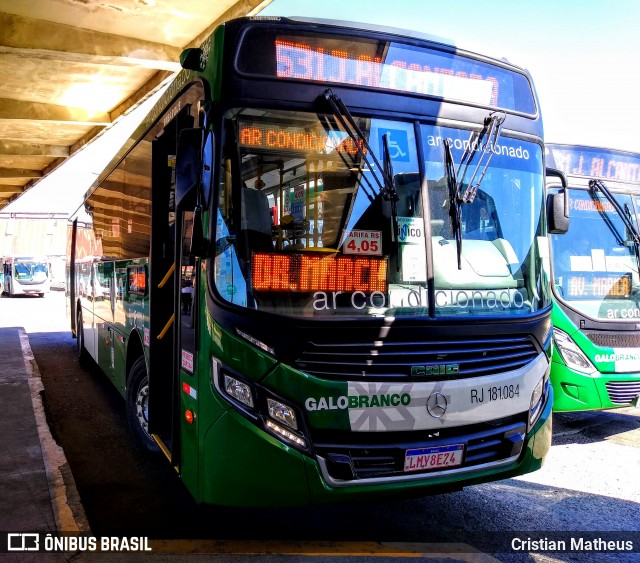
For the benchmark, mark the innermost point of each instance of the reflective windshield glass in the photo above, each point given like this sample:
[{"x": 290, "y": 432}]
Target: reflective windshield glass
[
  {"x": 595, "y": 266},
  {"x": 314, "y": 221},
  {"x": 29, "y": 270},
  {"x": 501, "y": 269}
]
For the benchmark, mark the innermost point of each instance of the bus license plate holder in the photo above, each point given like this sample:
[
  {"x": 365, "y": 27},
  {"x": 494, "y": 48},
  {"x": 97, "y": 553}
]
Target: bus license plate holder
[{"x": 434, "y": 457}]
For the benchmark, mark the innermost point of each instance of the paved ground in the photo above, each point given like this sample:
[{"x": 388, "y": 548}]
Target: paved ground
[{"x": 588, "y": 482}]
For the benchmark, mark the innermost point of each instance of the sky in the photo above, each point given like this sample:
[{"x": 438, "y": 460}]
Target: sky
[{"x": 583, "y": 56}]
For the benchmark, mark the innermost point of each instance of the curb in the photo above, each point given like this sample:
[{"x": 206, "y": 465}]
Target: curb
[{"x": 65, "y": 501}]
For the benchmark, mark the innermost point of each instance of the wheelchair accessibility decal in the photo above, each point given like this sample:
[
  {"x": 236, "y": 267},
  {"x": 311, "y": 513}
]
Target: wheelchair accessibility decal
[{"x": 398, "y": 144}]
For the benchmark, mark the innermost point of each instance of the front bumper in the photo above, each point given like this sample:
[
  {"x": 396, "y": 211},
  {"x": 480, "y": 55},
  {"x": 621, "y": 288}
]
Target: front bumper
[
  {"x": 244, "y": 466},
  {"x": 574, "y": 391}
]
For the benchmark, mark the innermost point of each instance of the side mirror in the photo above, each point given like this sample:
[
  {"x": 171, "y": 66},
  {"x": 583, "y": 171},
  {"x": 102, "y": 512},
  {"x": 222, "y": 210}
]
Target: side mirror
[
  {"x": 558, "y": 206},
  {"x": 189, "y": 167},
  {"x": 191, "y": 59}
]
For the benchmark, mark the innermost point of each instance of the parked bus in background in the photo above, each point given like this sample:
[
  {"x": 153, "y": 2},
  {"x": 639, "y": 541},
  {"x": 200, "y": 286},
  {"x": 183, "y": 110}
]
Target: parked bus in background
[
  {"x": 362, "y": 213},
  {"x": 596, "y": 317},
  {"x": 25, "y": 275}
]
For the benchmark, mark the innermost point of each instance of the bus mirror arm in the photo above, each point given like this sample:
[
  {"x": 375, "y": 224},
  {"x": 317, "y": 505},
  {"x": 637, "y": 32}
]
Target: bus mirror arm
[
  {"x": 558, "y": 206},
  {"x": 199, "y": 246},
  {"x": 189, "y": 168}
]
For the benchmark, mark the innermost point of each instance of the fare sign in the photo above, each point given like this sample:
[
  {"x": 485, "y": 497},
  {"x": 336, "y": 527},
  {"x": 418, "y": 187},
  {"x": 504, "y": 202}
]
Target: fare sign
[{"x": 363, "y": 242}]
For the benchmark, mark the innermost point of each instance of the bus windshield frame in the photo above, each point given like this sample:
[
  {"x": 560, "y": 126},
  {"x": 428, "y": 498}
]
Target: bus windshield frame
[
  {"x": 393, "y": 64},
  {"x": 333, "y": 252}
]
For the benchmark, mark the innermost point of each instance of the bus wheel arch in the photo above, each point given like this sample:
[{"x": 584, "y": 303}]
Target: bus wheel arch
[{"x": 137, "y": 400}]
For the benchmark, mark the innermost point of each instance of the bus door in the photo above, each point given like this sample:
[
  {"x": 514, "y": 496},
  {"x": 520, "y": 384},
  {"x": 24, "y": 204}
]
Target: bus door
[
  {"x": 186, "y": 316},
  {"x": 190, "y": 172},
  {"x": 166, "y": 321}
]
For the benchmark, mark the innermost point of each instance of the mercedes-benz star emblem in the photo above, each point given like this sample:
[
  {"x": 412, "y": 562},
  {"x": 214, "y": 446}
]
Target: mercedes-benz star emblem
[{"x": 437, "y": 405}]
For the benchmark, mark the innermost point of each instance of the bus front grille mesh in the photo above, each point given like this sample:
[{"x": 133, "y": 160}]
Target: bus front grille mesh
[
  {"x": 623, "y": 392},
  {"x": 376, "y": 360},
  {"x": 614, "y": 339}
]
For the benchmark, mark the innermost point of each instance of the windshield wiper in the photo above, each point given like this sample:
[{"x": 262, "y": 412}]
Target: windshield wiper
[
  {"x": 390, "y": 192},
  {"x": 455, "y": 202},
  {"x": 348, "y": 123},
  {"x": 624, "y": 214},
  {"x": 484, "y": 140},
  {"x": 387, "y": 187}
]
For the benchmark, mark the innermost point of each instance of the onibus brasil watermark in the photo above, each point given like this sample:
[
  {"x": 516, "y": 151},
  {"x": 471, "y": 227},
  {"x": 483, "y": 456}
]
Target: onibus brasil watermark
[{"x": 41, "y": 542}]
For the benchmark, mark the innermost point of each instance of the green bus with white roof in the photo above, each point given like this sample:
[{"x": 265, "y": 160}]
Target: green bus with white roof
[{"x": 596, "y": 284}]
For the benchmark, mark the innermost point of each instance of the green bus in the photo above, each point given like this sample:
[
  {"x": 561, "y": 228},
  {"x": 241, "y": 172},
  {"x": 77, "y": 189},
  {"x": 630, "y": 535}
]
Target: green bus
[
  {"x": 596, "y": 317},
  {"x": 358, "y": 218}
]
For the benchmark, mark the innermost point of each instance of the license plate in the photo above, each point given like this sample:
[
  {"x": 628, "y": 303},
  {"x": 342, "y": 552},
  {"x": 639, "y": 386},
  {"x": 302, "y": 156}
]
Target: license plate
[{"x": 434, "y": 457}]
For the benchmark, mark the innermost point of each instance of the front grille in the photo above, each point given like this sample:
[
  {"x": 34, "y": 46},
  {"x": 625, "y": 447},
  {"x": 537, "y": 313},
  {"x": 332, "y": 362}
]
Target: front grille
[
  {"x": 623, "y": 392},
  {"x": 484, "y": 443},
  {"x": 630, "y": 339},
  {"x": 388, "y": 359}
]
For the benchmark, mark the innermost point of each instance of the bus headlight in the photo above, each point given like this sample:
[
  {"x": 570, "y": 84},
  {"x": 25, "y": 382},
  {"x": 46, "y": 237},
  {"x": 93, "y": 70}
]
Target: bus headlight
[
  {"x": 283, "y": 423},
  {"x": 282, "y": 413},
  {"x": 258, "y": 405},
  {"x": 571, "y": 353},
  {"x": 538, "y": 398},
  {"x": 238, "y": 390}
]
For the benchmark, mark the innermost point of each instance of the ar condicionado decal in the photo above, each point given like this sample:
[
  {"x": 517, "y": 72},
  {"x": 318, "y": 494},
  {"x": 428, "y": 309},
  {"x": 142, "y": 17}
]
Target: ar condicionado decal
[{"x": 357, "y": 402}]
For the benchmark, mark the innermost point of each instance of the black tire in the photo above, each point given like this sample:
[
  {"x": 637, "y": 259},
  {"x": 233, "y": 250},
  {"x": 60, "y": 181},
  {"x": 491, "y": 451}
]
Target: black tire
[
  {"x": 81, "y": 351},
  {"x": 138, "y": 406}
]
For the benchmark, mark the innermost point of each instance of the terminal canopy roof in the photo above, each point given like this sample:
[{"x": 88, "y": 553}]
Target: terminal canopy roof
[{"x": 71, "y": 68}]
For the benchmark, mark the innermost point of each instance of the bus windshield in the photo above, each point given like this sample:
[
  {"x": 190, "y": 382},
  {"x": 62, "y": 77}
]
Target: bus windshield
[
  {"x": 595, "y": 263},
  {"x": 306, "y": 225},
  {"x": 30, "y": 271}
]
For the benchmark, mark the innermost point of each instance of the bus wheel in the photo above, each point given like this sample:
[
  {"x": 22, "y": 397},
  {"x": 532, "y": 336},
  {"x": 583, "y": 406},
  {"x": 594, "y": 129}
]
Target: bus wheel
[
  {"x": 81, "y": 351},
  {"x": 138, "y": 406}
]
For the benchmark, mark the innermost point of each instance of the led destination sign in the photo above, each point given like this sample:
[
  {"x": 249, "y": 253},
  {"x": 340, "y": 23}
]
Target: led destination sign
[
  {"x": 581, "y": 204},
  {"x": 312, "y": 272},
  {"x": 306, "y": 62},
  {"x": 291, "y": 138},
  {"x": 587, "y": 286},
  {"x": 594, "y": 163},
  {"x": 391, "y": 65}
]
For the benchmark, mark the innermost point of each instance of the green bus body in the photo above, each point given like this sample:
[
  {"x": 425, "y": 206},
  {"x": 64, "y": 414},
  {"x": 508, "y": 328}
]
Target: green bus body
[
  {"x": 321, "y": 357},
  {"x": 602, "y": 324}
]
